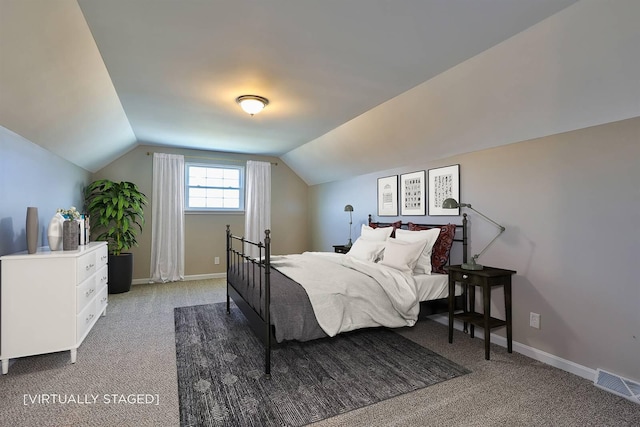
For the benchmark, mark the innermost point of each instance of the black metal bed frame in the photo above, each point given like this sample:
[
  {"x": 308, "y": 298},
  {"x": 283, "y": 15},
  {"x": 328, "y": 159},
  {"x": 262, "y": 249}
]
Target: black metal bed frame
[
  {"x": 258, "y": 271},
  {"x": 243, "y": 265}
]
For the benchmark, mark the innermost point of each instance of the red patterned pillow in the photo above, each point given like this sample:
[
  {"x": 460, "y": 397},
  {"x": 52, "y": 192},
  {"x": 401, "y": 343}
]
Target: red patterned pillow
[
  {"x": 442, "y": 246},
  {"x": 395, "y": 225}
]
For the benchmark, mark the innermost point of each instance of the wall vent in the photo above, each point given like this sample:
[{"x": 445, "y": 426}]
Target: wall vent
[{"x": 617, "y": 385}]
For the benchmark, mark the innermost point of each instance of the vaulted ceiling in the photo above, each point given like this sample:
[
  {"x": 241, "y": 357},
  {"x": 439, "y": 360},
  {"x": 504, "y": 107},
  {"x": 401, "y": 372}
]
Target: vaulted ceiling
[{"x": 89, "y": 80}]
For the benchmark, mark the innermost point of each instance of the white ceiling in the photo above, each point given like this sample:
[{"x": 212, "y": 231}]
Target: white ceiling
[{"x": 91, "y": 82}]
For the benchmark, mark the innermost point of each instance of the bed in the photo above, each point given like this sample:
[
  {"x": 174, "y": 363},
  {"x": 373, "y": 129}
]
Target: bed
[{"x": 316, "y": 295}]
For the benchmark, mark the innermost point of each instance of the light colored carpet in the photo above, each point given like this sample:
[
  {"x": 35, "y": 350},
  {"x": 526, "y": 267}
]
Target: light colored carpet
[{"x": 132, "y": 351}]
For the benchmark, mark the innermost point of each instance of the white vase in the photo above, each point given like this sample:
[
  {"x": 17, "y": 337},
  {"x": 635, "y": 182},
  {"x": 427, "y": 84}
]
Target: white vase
[{"x": 54, "y": 232}]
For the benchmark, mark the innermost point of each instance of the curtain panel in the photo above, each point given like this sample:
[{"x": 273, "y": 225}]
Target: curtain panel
[
  {"x": 258, "y": 202},
  {"x": 167, "y": 232}
]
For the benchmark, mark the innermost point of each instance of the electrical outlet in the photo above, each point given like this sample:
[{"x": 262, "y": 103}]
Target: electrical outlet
[
  {"x": 216, "y": 260},
  {"x": 534, "y": 320}
]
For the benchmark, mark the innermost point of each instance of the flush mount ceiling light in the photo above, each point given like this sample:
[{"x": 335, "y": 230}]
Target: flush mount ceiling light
[{"x": 252, "y": 104}]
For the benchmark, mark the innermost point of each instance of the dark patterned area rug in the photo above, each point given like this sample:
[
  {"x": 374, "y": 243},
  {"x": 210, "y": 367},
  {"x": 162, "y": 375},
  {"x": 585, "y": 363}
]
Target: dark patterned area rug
[{"x": 221, "y": 363}]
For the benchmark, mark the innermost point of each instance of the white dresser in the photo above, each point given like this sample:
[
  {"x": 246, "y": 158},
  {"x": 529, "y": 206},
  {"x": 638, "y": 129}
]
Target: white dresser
[{"x": 50, "y": 300}]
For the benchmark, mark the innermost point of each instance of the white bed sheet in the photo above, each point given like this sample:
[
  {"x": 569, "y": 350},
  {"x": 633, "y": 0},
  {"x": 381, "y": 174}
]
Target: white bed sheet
[
  {"x": 389, "y": 300},
  {"x": 433, "y": 286},
  {"x": 429, "y": 286}
]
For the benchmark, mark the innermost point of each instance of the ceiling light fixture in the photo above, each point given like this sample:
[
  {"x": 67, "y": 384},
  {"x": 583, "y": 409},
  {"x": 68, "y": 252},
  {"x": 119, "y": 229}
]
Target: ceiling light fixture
[{"x": 252, "y": 104}]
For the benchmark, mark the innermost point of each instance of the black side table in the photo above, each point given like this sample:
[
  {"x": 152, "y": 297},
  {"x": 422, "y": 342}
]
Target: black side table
[
  {"x": 486, "y": 278},
  {"x": 341, "y": 249}
]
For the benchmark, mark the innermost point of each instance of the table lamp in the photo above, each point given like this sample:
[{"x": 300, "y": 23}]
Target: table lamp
[
  {"x": 349, "y": 209},
  {"x": 453, "y": 204}
]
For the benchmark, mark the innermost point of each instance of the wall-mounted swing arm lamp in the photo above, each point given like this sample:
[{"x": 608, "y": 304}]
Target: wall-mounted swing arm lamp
[
  {"x": 349, "y": 209},
  {"x": 453, "y": 204}
]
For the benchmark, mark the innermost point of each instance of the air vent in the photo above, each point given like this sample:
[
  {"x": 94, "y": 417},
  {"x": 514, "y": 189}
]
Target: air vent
[{"x": 617, "y": 385}]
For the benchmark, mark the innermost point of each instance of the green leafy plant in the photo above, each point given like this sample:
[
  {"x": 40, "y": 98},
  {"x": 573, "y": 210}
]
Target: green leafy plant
[{"x": 116, "y": 211}]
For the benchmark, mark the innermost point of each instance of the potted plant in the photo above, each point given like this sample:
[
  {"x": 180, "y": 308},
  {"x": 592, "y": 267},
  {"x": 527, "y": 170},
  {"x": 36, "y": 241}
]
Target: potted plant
[{"x": 116, "y": 212}]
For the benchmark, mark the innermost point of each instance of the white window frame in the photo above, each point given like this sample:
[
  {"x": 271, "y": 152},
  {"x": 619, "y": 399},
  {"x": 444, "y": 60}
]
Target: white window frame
[{"x": 241, "y": 188}]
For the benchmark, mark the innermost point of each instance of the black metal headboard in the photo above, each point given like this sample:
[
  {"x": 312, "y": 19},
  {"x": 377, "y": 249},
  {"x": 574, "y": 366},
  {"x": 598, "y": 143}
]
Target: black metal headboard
[{"x": 461, "y": 237}]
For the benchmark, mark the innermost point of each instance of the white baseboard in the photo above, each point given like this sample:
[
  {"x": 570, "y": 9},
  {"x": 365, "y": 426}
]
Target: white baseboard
[
  {"x": 186, "y": 278},
  {"x": 534, "y": 353}
]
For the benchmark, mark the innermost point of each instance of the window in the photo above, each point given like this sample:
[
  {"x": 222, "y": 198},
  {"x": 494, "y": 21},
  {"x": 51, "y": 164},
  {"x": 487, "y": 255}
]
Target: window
[{"x": 214, "y": 188}]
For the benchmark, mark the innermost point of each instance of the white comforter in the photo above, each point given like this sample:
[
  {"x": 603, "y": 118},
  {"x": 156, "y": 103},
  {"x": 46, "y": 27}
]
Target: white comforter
[{"x": 348, "y": 294}]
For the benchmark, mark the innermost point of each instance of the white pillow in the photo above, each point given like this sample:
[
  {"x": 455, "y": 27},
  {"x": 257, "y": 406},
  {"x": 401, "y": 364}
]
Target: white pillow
[
  {"x": 376, "y": 234},
  {"x": 402, "y": 255},
  {"x": 366, "y": 250},
  {"x": 423, "y": 266}
]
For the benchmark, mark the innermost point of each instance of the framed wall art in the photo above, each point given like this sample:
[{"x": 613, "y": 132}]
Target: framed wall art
[
  {"x": 412, "y": 193},
  {"x": 388, "y": 196},
  {"x": 444, "y": 183}
]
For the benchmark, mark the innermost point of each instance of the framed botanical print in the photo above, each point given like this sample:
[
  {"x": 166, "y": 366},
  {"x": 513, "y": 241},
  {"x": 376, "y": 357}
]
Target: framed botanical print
[
  {"x": 412, "y": 193},
  {"x": 388, "y": 196},
  {"x": 444, "y": 183}
]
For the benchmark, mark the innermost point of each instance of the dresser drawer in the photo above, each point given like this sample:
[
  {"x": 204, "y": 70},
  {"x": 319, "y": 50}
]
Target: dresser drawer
[
  {"x": 86, "y": 266},
  {"x": 102, "y": 277},
  {"x": 464, "y": 277},
  {"x": 102, "y": 300},
  {"x": 85, "y": 320},
  {"x": 86, "y": 292},
  {"x": 102, "y": 256}
]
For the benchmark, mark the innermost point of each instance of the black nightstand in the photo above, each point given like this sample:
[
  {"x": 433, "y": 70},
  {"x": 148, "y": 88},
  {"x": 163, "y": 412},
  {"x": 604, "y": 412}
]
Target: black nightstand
[
  {"x": 486, "y": 279},
  {"x": 341, "y": 249}
]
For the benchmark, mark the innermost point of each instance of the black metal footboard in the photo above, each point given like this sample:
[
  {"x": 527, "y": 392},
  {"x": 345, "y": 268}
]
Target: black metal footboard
[{"x": 248, "y": 284}]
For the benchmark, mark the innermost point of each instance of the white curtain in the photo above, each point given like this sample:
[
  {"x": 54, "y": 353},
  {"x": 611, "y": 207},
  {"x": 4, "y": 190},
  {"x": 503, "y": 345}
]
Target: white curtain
[
  {"x": 258, "y": 202},
  {"x": 167, "y": 232}
]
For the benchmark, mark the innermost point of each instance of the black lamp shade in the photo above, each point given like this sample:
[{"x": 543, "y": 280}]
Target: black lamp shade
[{"x": 450, "y": 204}]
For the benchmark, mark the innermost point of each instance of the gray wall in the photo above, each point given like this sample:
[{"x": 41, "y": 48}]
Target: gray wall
[
  {"x": 571, "y": 206},
  {"x": 205, "y": 234},
  {"x": 33, "y": 176}
]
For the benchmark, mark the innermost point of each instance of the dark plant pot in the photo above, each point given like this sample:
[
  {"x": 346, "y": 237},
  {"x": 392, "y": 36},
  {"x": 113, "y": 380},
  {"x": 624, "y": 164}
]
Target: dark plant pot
[{"x": 120, "y": 273}]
